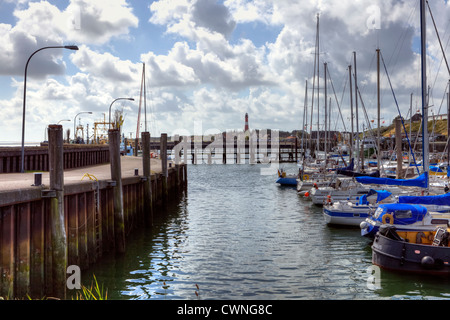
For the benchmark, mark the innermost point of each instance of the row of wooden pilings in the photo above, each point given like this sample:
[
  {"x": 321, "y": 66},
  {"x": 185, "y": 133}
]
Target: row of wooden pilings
[{"x": 45, "y": 233}]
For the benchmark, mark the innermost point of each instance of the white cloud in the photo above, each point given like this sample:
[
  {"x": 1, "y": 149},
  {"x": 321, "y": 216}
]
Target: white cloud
[
  {"x": 94, "y": 22},
  {"x": 104, "y": 65},
  {"x": 209, "y": 73}
]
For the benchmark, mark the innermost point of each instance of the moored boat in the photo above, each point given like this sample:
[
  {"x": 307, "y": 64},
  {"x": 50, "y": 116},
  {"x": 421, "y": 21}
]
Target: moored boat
[
  {"x": 422, "y": 252},
  {"x": 403, "y": 216},
  {"x": 287, "y": 180},
  {"x": 349, "y": 213}
]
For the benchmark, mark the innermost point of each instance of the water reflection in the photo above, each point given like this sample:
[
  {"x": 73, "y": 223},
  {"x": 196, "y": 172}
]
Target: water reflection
[{"x": 238, "y": 235}]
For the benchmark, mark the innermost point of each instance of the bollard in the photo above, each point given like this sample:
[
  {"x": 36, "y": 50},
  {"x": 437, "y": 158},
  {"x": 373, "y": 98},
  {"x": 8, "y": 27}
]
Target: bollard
[
  {"x": 116, "y": 175},
  {"x": 58, "y": 231},
  {"x": 164, "y": 164},
  {"x": 148, "y": 206},
  {"x": 37, "y": 179}
]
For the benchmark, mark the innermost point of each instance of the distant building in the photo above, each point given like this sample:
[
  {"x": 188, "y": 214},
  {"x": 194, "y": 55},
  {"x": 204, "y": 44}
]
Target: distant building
[{"x": 417, "y": 117}]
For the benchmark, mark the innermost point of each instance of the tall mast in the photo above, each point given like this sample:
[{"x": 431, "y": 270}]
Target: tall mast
[
  {"x": 145, "y": 98},
  {"x": 318, "y": 77},
  {"x": 356, "y": 109},
  {"x": 423, "y": 52},
  {"x": 378, "y": 110},
  {"x": 351, "y": 110},
  {"x": 448, "y": 127},
  {"x": 316, "y": 63},
  {"x": 305, "y": 115},
  {"x": 326, "y": 128}
]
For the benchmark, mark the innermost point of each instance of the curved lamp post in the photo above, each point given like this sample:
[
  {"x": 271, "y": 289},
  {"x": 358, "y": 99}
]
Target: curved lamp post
[
  {"x": 24, "y": 97},
  {"x": 75, "y": 122},
  {"x": 109, "y": 123}
]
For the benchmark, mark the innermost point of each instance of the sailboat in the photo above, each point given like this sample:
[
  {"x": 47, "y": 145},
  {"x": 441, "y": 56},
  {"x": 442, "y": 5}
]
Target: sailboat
[{"x": 417, "y": 251}]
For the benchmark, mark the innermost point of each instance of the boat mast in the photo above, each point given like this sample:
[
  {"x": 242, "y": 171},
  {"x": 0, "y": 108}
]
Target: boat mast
[
  {"x": 351, "y": 110},
  {"x": 318, "y": 78},
  {"x": 423, "y": 52},
  {"x": 305, "y": 115},
  {"x": 378, "y": 111},
  {"x": 316, "y": 63},
  {"x": 326, "y": 128},
  {"x": 140, "y": 103},
  {"x": 356, "y": 108},
  {"x": 448, "y": 127}
]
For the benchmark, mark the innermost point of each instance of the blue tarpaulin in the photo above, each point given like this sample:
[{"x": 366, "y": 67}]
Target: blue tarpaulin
[
  {"x": 420, "y": 181},
  {"x": 397, "y": 209},
  {"x": 381, "y": 195},
  {"x": 442, "y": 199}
]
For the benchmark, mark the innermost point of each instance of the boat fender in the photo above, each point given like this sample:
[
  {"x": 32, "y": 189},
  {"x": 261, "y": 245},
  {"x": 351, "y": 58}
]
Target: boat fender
[
  {"x": 329, "y": 200},
  {"x": 427, "y": 262},
  {"x": 315, "y": 185},
  {"x": 306, "y": 194},
  {"x": 388, "y": 216},
  {"x": 305, "y": 177},
  {"x": 364, "y": 225}
]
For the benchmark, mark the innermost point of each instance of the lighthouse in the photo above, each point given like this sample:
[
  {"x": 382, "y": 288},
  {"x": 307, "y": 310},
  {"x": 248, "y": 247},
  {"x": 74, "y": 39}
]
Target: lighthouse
[{"x": 246, "y": 123}]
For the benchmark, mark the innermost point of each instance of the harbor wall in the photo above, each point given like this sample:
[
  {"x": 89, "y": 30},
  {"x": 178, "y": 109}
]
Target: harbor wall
[{"x": 26, "y": 259}]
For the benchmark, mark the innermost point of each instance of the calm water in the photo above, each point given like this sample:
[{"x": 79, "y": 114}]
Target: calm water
[{"x": 236, "y": 234}]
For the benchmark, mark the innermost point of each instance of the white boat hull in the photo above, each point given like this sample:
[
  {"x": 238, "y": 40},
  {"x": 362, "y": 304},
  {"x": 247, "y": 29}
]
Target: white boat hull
[{"x": 345, "y": 215}]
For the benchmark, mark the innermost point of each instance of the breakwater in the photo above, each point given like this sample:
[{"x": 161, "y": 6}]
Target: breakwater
[{"x": 75, "y": 216}]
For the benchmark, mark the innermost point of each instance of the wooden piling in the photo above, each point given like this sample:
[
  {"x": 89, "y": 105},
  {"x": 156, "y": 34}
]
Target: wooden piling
[
  {"x": 148, "y": 203},
  {"x": 58, "y": 234},
  {"x": 164, "y": 164},
  {"x": 116, "y": 176}
]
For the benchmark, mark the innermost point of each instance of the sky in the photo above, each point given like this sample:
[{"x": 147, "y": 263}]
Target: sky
[{"x": 208, "y": 62}]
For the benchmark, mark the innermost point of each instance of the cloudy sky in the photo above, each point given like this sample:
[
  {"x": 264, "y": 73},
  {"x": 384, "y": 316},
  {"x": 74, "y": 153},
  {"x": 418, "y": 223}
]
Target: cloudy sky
[{"x": 208, "y": 62}]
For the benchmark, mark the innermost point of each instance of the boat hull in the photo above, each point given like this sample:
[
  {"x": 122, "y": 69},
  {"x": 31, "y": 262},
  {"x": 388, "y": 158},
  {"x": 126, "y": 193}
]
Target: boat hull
[
  {"x": 398, "y": 255},
  {"x": 287, "y": 181},
  {"x": 345, "y": 218}
]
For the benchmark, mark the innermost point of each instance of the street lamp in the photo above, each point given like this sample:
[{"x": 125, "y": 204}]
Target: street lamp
[
  {"x": 109, "y": 123},
  {"x": 24, "y": 97},
  {"x": 75, "y": 122}
]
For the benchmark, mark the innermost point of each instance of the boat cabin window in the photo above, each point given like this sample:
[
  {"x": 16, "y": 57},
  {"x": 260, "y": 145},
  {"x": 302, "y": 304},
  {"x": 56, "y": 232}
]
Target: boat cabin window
[
  {"x": 378, "y": 212},
  {"x": 403, "y": 214}
]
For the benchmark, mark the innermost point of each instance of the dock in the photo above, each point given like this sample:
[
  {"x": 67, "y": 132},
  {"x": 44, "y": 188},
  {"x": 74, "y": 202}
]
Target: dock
[{"x": 71, "y": 217}]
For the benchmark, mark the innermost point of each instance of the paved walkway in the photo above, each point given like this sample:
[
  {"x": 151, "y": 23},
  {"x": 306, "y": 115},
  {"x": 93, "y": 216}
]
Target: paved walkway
[{"x": 14, "y": 181}]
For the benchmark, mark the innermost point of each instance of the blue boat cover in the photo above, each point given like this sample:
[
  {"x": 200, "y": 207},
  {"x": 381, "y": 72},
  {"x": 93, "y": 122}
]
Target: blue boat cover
[
  {"x": 442, "y": 199},
  {"x": 435, "y": 169},
  {"x": 420, "y": 181},
  {"x": 417, "y": 212},
  {"x": 381, "y": 195},
  {"x": 287, "y": 181},
  {"x": 350, "y": 167}
]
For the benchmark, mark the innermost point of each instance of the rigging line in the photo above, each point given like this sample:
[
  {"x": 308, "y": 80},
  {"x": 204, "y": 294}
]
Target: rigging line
[
  {"x": 399, "y": 44},
  {"x": 335, "y": 97},
  {"x": 439, "y": 38},
  {"x": 401, "y": 118}
]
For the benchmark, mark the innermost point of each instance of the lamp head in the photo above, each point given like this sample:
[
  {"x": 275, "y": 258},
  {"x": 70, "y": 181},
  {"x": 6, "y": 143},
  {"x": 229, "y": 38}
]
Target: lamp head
[{"x": 71, "y": 47}]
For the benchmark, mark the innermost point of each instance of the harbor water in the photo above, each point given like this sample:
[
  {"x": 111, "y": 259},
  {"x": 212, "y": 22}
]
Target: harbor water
[{"x": 235, "y": 234}]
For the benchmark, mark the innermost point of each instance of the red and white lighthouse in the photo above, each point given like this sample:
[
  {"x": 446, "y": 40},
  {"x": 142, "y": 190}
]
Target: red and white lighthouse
[{"x": 246, "y": 123}]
